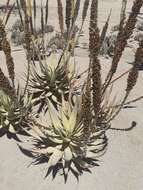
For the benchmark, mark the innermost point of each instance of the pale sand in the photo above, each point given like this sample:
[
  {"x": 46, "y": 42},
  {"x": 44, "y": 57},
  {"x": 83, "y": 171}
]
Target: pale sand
[{"x": 121, "y": 168}]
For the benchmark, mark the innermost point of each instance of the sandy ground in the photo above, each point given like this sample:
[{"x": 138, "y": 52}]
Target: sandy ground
[{"x": 121, "y": 168}]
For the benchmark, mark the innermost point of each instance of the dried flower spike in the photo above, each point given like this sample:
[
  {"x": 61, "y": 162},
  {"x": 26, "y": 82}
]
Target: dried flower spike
[{"x": 7, "y": 51}]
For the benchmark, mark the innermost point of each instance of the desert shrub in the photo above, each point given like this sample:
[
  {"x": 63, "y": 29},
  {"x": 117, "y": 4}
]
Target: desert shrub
[
  {"x": 17, "y": 26},
  {"x": 57, "y": 42},
  {"x": 139, "y": 25},
  {"x": 47, "y": 29},
  {"x": 17, "y": 37},
  {"x": 138, "y": 32},
  {"x": 17, "y": 32},
  {"x": 138, "y": 36},
  {"x": 109, "y": 44}
]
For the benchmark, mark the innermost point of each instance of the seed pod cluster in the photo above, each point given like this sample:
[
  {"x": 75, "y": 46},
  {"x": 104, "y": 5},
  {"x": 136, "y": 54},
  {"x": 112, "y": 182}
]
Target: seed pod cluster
[
  {"x": 133, "y": 75},
  {"x": 94, "y": 46},
  {"x": 125, "y": 34},
  {"x": 60, "y": 15},
  {"x": 7, "y": 51}
]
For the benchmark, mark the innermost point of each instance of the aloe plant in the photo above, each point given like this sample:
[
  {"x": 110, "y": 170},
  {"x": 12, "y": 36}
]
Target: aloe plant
[
  {"x": 14, "y": 115},
  {"x": 60, "y": 143},
  {"x": 51, "y": 82}
]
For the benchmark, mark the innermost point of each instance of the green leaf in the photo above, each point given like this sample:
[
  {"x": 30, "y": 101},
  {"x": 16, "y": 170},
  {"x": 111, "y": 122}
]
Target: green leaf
[
  {"x": 38, "y": 131},
  {"x": 55, "y": 157},
  {"x": 54, "y": 116},
  {"x": 68, "y": 154},
  {"x": 32, "y": 133},
  {"x": 11, "y": 129},
  {"x": 55, "y": 140},
  {"x": 73, "y": 119}
]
